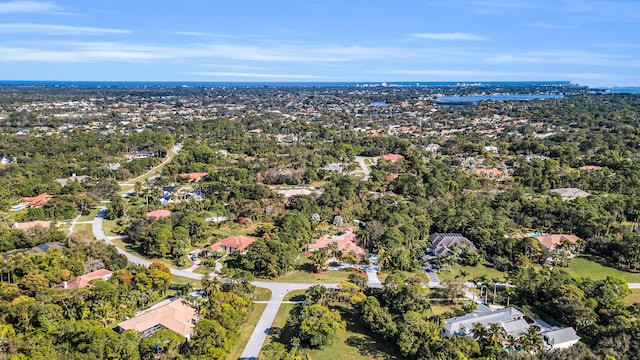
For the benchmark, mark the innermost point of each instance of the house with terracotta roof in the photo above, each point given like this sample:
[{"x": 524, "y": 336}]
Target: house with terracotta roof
[
  {"x": 590, "y": 168},
  {"x": 232, "y": 244},
  {"x": 31, "y": 224},
  {"x": 36, "y": 201},
  {"x": 489, "y": 173},
  {"x": 347, "y": 242},
  {"x": 159, "y": 214},
  {"x": 178, "y": 316},
  {"x": 84, "y": 280},
  {"x": 553, "y": 242},
  {"x": 193, "y": 177},
  {"x": 392, "y": 157}
]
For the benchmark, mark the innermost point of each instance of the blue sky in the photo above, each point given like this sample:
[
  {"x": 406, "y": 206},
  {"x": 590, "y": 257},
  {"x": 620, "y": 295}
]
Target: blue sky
[{"x": 591, "y": 42}]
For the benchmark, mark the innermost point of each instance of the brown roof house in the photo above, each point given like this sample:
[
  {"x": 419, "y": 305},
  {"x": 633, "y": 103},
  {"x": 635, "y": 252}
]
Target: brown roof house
[
  {"x": 36, "y": 201},
  {"x": 191, "y": 177},
  {"x": 178, "y": 316},
  {"x": 231, "y": 244},
  {"x": 159, "y": 214},
  {"x": 443, "y": 243},
  {"x": 31, "y": 224},
  {"x": 553, "y": 242},
  {"x": 347, "y": 242},
  {"x": 84, "y": 280}
]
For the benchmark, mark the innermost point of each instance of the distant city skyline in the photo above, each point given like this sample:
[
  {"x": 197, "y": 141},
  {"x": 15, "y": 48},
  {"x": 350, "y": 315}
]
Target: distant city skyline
[{"x": 590, "y": 42}]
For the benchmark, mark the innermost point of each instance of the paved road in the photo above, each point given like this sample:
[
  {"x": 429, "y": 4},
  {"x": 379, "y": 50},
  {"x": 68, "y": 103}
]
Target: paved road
[
  {"x": 98, "y": 232},
  {"x": 278, "y": 292},
  {"x": 365, "y": 169}
]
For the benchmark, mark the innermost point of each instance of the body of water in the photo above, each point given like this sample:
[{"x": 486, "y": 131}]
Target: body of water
[{"x": 476, "y": 99}]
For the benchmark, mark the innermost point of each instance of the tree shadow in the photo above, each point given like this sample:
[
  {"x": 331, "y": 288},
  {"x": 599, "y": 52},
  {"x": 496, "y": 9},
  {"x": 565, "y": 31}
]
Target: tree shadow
[
  {"x": 307, "y": 267},
  {"x": 369, "y": 347},
  {"x": 299, "y": 297}
]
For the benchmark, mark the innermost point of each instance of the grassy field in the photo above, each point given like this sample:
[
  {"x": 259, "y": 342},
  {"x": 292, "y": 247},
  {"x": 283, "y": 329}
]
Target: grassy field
[
  {"x": 108, "y": 226},
  {"x": 592, "y": 268},
  {"x": 183, "y": 280},
  {"x": 86, "y": 228},
  {"x": 299, "y": 276},
  {"x": 89, "y": 217},
  {"x": 204, "y": 270},
  {"x": 295, "y": 295},
  {"x": 262, "y": 294},
  {"x": 442, "y": 307},
  {"x": 473, "y": 271},
  {"x": 634, "y": 297},
  {"x": 354, "y": 343},
  {"x": 278, "y": 323},
  {"x": 246, "y": 330}
]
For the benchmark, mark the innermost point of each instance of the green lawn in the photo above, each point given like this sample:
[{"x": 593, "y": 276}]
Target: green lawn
[
  {"x": 204, "y": 270},
  {"x": 442, "y": 307},
  {"x": 634, "y": 297},
  {"x": 473, "y": 271},
  {"x": 246, "y": 330},
  {"x": 299, "y": 276},
  {"x": 590, "y": 267},
  {"x": 86, "y": 228},
  {"x": 278, "y": 323},
  {"x": 183, "y": 280},
  {"x": 261, "y": 294},
  {"x": 295, "y": 295},
  {"x": 90, "y": 217},
  {"x": 108, "y": 226},
  {"x": 354, "y": 343}
]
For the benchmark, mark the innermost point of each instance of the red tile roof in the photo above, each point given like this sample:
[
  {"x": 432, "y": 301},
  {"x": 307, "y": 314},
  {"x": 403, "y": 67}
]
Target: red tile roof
[
  {"x": 177, "y": 316},
  {"x": 393, "y": 157},
  {"x": 37, "y": 201},
  {"x": 159, "y": 214},
  {"x": 193, "y": 176},
  {"x": 553, "y": 241},
  {"x": 589, "y": 168},
  {"x": 32, "y": 224},
  {"x": 83, "y": 281},
  {"x": 347, "y": 242},
  {"x": 239, "y": 243}
]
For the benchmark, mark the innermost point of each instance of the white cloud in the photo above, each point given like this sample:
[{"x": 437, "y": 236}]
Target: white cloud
[
  {"x": 47, "y": 29},
  {"x": 450, "y": 36},
  {"x": 202, "y": 34},
  {"x": 565, "y": 57},
  {"x": 237, "y": 67},
  {"x": 14, "y": 7},
  {"x": 256, "y": 75}
]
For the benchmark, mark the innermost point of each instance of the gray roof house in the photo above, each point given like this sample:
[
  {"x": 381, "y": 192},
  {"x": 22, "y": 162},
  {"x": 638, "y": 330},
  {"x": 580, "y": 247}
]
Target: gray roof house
[
  {"x": 560, "y": 338},
  {"x": 511, "y": 320},
  {"x": 442, "y": 243},
  {"x": 570, "y": 193}
]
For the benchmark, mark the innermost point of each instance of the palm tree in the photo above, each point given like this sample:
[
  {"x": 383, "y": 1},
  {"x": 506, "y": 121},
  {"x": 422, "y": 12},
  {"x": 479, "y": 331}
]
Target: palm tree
[
  {"x": 480, "y": 333},
  {"x": 137, "y": 187},
  {"x": 476, "y": 281},
  {"x": 509, "y": 292},
  {"x": 497, "y": 334},
  {"x": 333, "y": 247},
  {"x": 463, "y": 274},
  {"x": 319, "y": 259},
  {"x": 483, "y": 280},
  {"x": 513, "y": 343},
  {"x": 532, "y": 341},
  {"x": 495, "y": 282}
]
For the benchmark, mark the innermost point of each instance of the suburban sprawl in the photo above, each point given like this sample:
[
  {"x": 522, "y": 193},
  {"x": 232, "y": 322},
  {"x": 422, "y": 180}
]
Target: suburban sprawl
[{"x": 357, "y": 221}]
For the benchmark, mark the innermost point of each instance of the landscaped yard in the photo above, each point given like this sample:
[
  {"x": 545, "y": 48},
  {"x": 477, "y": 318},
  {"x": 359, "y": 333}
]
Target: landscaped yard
[
  {"x": 261, "y": 294},
  {"x": 589, "y": 267},
  {"x": 442, "y": 307},
  {"x": 246, "y": 330},
  {"x": 473, "y": 271},
  {"x": 84, "y": 227},
  {"x": 90, "y": 217},
  {"x": 108, "y": 226},
  {"x": 136, "y": 251},
  {"x": 634, "y": 297},
  {"x": 183, "y": 280},
  {"x": 354, "y": 343},
  {"x": 299, "y": 276}
]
